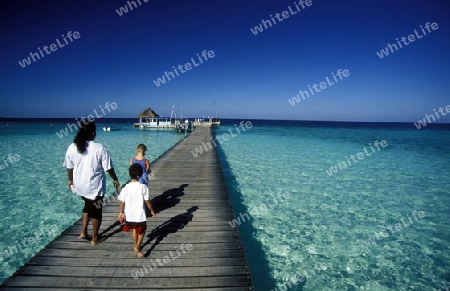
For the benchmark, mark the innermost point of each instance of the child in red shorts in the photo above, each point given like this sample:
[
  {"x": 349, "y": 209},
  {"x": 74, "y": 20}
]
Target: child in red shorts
[{"x": 133, "y": 198}]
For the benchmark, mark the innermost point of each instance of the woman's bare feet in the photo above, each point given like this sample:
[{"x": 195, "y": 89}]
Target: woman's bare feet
[{"x": 96, "y": 240}]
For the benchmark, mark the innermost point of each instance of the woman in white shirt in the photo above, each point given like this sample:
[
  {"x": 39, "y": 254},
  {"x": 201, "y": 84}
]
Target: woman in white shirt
[{"x": 86, "y": 162}]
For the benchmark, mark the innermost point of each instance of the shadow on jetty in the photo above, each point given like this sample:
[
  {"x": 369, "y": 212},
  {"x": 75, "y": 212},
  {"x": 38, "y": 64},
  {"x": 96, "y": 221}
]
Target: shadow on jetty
[
  {"x": 256, "y": 258},
  {"x": 168, "y": 198},
  {"x": 170, "y": 226},
  {"x": 103, "y": 236}
]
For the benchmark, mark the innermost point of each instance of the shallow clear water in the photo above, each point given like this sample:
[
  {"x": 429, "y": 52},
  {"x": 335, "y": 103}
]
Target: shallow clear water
[
  {"x": 35, "y": 203},
  {"x": 302, "y": 221},
  {"x": 328, "y": 228}
]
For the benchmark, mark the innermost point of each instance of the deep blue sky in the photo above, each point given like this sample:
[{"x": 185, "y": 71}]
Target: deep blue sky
[{"x": 251, "y": 76}]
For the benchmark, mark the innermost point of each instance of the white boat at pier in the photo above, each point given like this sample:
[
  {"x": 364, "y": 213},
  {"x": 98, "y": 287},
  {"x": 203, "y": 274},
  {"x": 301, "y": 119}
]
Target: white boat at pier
[{"x": 150, "y": 119}]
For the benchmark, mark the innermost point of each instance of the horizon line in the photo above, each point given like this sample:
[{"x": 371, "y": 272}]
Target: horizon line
[{"x": 262, "y": 119}]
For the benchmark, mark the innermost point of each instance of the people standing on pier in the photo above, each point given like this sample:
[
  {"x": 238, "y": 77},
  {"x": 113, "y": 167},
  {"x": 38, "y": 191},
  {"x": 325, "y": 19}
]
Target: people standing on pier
[
  {"x": 141, "y": 160},
  {"x": 133, "y": 199},
  {"x": 86, "y": 162}
]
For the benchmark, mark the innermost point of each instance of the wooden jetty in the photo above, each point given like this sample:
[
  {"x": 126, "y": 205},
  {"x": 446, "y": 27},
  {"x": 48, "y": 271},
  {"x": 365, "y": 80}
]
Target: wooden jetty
[{"x": 193, "y": 210}]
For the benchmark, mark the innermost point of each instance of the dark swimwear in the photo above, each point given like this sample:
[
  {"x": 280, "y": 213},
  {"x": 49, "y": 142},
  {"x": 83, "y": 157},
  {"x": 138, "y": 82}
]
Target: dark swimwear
[{"x": 93, "y": 207}]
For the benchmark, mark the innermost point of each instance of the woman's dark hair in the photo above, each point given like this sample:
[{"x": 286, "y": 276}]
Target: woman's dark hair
[
  {"x": 85, "y": 133},
  {"x": 135, "y": 171}
]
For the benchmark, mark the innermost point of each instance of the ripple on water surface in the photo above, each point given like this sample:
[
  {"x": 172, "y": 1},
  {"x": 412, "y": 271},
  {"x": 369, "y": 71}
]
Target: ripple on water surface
[
  {"x": 33, "y": 190},
  {"x": 318, "y": 225}
]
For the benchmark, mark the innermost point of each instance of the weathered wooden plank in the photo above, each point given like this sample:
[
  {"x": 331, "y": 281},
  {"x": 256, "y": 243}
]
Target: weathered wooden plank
[
  {"x": 124, "y": 252},
  {"x": 109, "y": 223},
  {"x": 125, "y": 272},
  {"x": 134, "y": 289},
  {"x": 134, "y": 261},
  {"x": 172, "y": 238},
  {"x": 191, "y": 228},
  {"x": 112, "y": 282},
  {"x": 166, "y": 246}
]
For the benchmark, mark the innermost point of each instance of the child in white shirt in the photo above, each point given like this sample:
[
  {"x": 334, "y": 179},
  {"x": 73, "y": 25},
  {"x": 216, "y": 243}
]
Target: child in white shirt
[{"x": 133, "y": 198}]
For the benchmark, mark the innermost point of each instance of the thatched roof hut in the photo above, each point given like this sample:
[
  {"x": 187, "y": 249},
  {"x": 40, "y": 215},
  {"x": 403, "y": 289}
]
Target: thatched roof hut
[{"x": 148, "y": 113}]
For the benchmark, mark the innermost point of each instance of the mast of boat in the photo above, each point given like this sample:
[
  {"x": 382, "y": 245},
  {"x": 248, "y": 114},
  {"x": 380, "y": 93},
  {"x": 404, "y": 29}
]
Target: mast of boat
[{"x": 171, "y": 114}]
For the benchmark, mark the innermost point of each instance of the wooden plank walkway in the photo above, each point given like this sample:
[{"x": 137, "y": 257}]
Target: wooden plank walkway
[{"x": 193, "y": 207}]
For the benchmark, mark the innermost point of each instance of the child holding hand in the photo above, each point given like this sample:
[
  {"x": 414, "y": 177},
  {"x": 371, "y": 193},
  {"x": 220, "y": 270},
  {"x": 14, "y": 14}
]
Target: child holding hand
[{"x": 133, "y": 199}]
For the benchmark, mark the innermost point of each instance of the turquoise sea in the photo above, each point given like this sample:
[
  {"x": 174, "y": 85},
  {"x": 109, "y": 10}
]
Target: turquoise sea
[
  {"x": 329, "y": 229},
  {"x": 33, "y": 190},
  {"x": 380, "y": 223}
]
